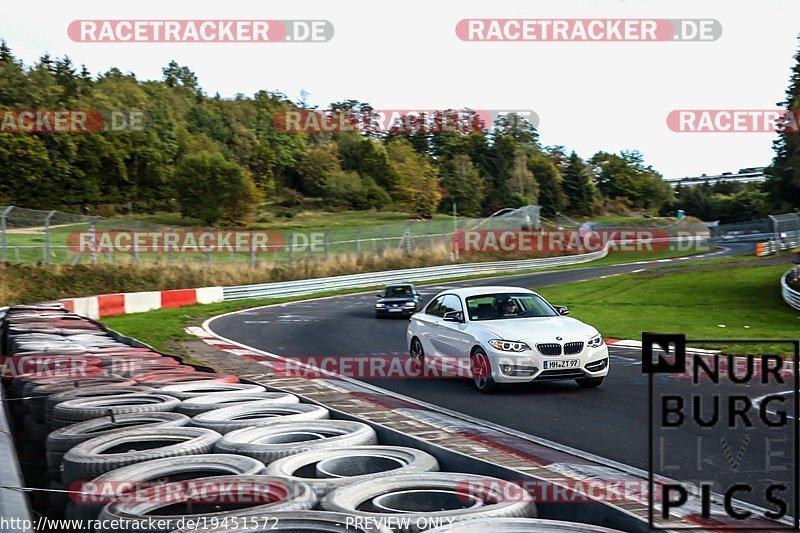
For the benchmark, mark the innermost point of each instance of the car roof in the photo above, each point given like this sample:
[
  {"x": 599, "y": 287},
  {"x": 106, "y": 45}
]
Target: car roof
[
  {"x": 466, "y": 292},
  {"x": 399, "y": 285}
]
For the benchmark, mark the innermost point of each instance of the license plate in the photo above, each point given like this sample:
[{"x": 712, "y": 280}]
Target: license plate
[
  {"x": 566, "y": 363},
  {"x": 395, "y": 310}
]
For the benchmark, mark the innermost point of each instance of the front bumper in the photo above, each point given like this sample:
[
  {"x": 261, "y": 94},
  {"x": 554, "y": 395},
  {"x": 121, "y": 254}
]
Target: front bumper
[{"x": 528, "y": 366}]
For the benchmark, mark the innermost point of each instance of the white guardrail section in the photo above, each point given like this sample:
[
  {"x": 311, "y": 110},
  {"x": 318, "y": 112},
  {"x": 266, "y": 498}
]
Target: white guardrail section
[
  {"x": 355, "y": 281},
  {"x": 790, "y": 295}
]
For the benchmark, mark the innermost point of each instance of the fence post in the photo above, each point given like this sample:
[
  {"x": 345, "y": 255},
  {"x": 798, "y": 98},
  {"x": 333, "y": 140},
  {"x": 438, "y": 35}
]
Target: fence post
[
  {"x": 327, "y": 245},
  {"x": 291, "y": 248},
  {"x": 133, "y": 239},
  {"x": 358, "y": 243},
  {"x": 427, "y": 224},
  {"x": 47, "y": 236},
  {"x": 169, "y": 254},
  {"x": 3, "y": 216},
  {"x": 383, "y": 238},
  {"x": 93, "y": 233}
]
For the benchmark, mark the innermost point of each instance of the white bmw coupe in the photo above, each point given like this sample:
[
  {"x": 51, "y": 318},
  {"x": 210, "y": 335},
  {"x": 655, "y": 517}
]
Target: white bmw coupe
[{"x": 506, "y": 335}]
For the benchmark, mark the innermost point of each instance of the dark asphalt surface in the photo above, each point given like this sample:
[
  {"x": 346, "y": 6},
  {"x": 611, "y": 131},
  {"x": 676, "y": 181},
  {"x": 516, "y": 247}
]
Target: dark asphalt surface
[{"x": 610, "y": 421}]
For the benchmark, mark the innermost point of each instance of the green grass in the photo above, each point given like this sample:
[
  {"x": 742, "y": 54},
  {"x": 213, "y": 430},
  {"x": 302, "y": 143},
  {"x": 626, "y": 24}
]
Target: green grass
[
  {"x": 618, "y": 258},
  {"x": 690, "y": 299}
]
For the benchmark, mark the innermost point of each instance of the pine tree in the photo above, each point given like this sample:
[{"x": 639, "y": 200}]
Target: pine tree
[
  {"x": 5, "y": 53},
  {"x": 783, "y": 181},
  {"x": 578, "y": 186}
]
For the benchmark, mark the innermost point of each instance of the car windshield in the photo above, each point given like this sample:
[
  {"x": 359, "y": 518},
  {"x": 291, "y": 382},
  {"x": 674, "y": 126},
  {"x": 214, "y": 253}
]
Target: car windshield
[
  {"x": 391, "y": 292},
  {"x": 507, "y": 305}
]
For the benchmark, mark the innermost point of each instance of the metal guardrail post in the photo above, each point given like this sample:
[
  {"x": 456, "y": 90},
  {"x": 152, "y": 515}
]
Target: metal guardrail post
[
  {"x": 3, "y": 216},
  {"x": 47, "y": 236}
]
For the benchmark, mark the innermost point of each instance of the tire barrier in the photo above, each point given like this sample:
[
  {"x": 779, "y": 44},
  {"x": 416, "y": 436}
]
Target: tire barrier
[
  {"x": 86, "y": 392},
  {"x": 520, "y": 525},
  {"x": 119, "y": 484},
  {"x": 201, "y": 404},
  {"x": 158, "y": 379},
  {"x": 192, "y": 390},
  {"x": 437, "y": 495},
  {"x": 270, "y": 443},
  {"x": 80, "y": 409},
  {"x": 93, "y": 457},
  {"x": 327, "y": 469},
  {"x": 301, "y": 521},
  {"x": 265, "y": 494},
  {"x": 245, "y": 415},
  {"x": 62, "y": 440}
]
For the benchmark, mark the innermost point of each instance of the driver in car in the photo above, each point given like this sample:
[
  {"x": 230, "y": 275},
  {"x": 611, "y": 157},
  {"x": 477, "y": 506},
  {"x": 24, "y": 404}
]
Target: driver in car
[{"x": 508, "y": 308}]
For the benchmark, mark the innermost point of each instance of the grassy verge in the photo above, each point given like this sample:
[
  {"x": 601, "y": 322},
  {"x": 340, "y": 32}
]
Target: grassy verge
[{"x": 714, "y": 299}]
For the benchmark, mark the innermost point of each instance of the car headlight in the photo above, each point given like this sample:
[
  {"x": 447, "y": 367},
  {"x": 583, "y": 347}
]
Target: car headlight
[
  {"x": 508, "y": 346},
  {"x": 410, "y": 304},
  {"x": 596, "y": 341},
  {"x": 380, "y": 305}
]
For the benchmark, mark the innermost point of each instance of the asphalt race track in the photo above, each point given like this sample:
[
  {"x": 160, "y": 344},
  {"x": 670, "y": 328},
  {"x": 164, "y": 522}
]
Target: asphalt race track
[{"x": 610, "y": 421}]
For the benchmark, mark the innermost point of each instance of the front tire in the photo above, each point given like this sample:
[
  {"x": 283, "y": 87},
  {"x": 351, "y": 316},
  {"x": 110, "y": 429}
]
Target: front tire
[
  {"x": 418, "y": 354},
  {"x": 482, "y": 372},
  {"x": 589, "y": 383}
]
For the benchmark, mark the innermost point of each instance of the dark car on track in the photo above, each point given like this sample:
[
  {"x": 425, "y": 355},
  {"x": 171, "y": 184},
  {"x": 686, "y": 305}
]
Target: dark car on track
[{"x": 397, "y": 300}]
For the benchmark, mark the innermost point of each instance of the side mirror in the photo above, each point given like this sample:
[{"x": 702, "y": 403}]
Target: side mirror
[
  {"x": 561, "y": 309},
  {"x": 454, "y": 316}
]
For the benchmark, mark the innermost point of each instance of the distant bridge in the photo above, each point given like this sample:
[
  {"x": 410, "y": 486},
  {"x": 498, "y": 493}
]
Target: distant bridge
[{"x": 745, "y": 175}]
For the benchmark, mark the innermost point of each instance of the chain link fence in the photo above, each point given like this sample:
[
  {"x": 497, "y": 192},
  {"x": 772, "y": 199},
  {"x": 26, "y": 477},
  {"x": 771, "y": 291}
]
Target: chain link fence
[{"x": 38, "y": 236}]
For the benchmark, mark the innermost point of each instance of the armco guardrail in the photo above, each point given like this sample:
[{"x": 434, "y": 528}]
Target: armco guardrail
[
  {"x": 354, "y": 281},
  {"x": 790, "y": 296}
]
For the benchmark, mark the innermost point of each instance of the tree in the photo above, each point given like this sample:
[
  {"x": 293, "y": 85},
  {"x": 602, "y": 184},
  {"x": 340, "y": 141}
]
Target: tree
[
  {"x": 578, "y": 186},
  {"x": 626, "y": 176},
  {"x": 522, "y": 179},
  {"x": 418, "y": 187},
  {"x": 551, "y": 192},
  {"x": 463, "y": 185},
  {"x": 319, "y": 164},
  {"x": 783, "y": 175},
  {"x": 210, "y": 188}
]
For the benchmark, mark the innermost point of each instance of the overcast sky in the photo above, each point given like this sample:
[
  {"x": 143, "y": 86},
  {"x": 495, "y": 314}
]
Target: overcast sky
[{"x": 405, "y": 55}]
